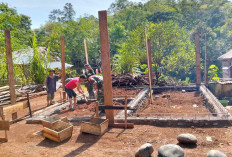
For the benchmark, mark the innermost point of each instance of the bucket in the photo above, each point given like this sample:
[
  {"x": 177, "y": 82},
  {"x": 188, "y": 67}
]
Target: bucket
[{"x": 224, "y": 102}]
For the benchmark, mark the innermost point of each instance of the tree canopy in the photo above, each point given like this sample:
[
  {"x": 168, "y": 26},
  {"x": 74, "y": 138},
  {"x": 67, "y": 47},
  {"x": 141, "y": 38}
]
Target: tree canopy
[{"x": 170, "y": 25}]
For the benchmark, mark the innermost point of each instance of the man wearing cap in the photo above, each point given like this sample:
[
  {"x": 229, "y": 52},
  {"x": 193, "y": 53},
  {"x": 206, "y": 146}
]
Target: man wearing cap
[
  {"x": 51, "y": 86},
  {"x": 89, "y": 72}
]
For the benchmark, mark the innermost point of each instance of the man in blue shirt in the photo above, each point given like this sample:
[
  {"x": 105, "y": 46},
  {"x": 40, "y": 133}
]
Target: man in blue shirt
[{"x": 51, "y": 86}]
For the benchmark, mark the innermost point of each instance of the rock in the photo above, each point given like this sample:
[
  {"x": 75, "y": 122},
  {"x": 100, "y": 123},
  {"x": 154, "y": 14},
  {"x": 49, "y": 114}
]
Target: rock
[
  {"x": 156, "y": 96},
  {"x": 183, "y": 91},
  {"x": 145, "y": 150},
  {"x": 195, "y": 105},
  {"x": 215, "y": 153},
  {"x": 187, "y": 139},
  {"x": 170, "y": 150}
]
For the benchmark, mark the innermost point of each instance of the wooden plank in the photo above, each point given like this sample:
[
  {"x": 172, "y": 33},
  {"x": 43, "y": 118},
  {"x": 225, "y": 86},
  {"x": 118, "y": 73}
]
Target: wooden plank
[
  {"x": 15, "y": 108},
  {"x": 10, "y": 70},
  {"x": 4, "y": 125},
  {"x": 86, "y": 53},
  {"x": 114, "y": 108},
  {"x": 198, "y": 59},
  {"x": 122, "y": 125},
  {"x": 105, "y": 57},
  {"x": 63, "y": 64}
]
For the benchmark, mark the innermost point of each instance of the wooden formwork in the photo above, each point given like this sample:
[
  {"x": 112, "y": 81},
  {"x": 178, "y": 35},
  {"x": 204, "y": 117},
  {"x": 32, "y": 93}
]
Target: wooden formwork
[
  {"x": 58, "y": 132},
  {"x": 96, "y": 126},
  {"x": 49, "y": 122},
  {"x": 4, "y": 125}
]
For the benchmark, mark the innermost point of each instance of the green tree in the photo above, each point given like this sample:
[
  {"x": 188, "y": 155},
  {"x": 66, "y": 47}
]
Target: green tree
[{"x": 38, "y": 73}]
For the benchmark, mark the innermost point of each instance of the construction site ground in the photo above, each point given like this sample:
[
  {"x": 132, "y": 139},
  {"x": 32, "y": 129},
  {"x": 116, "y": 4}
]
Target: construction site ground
[
  {"x": 27, "y": 139},
  {"x": 175, "y": 104}
]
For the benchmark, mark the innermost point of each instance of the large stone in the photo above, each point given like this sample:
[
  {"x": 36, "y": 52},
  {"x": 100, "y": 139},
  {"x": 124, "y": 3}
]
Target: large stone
[
  {"x": 187, "y": 139},
  {"x": 145, "y": 150},
  {"x": 215, "y": 153},
  {"x": 170, "y": 150}
]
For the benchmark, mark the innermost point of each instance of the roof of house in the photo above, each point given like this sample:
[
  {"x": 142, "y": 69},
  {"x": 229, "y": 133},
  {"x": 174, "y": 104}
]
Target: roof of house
[
  {"x": 226, "y": 56},
  {"x": 25, "y": 56}
]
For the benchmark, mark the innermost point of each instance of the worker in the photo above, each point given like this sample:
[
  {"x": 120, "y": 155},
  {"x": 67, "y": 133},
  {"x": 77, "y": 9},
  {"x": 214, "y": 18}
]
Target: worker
[
  {"x": 96, "y": 82},
  {"x": 69, "y": 89},
  {"x": 89, "y": 72},
  {"x": 51, "y": 86}
]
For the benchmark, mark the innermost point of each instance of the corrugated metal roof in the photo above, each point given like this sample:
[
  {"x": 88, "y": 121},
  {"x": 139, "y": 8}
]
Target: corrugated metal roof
[
  {"x": 226, "y": 56},
  {"x": 53, "y": 65}
]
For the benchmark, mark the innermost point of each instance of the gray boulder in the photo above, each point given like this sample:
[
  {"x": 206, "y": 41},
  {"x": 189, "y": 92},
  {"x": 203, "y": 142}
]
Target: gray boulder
[
  {"x": 170, "y": 150},
  {"x": 215, "y": 153},
  {"x": 187, "y": 139},
  {"x": 145, "y": 150}
]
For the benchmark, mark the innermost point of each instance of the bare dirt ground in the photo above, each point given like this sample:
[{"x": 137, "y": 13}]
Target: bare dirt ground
[
  {"x": 178, "y": 105},
  {"x": 24, "y": 141}
]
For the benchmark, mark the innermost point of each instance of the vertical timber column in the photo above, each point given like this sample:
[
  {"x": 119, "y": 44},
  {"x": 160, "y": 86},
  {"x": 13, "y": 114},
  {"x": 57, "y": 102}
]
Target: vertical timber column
[
  {"x": 63, "y": 66},
  {"x": 198, "y": 61},
  {"x": 206, "y": 69},
  {"x": 86, "y": 52},
  {"x": 105, "y": 57},
  {"x": 10, "y": 71}
]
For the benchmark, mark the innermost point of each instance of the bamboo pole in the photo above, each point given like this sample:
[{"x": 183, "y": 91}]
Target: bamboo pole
[
  {"x": 86, "y": 52},
  {"x": 148, "y": 47},
  {"x": 10, "y": 71},
  {"x": 105, "y": 57}
]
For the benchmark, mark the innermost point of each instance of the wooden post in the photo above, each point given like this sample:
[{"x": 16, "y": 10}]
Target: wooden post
[
  {"x": 10, "y": 71},
  {"x": 105, "y": 57},
  {"x": 198, "y": 61},
  {"x": 97, "y": 109},
  {"x": 206, "y": 69},
  {"x": 148, "y": 47},
  {"x": 63, "y": 66},
  {"x": 86, "y": 53},
  {"x": 29, "y": 104},
  {"x": 125, "y": 110}
]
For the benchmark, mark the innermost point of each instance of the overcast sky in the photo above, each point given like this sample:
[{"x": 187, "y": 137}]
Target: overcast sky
[{"x": 39, "y": 10}]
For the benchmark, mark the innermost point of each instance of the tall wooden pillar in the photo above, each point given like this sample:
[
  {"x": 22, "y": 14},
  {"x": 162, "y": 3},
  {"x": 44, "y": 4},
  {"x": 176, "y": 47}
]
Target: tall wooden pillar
[
  {"x": 105, "y": 57},
  {"x": 10, "y": 71},
  {"x": 198, "y": 61},
  {"x": 86, "y": 52},
  {"x": 63, "y": 65},
  {"x": 206, "y": 67}
]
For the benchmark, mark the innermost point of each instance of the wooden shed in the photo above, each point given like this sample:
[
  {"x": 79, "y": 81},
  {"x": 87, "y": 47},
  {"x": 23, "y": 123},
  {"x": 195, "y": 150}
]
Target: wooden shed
[{"x": 226, "y": 64}]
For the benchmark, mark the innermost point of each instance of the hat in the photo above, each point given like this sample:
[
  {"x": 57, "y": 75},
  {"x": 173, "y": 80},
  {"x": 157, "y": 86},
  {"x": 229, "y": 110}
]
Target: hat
[
  {"x": 87, "y": 65},
  {"x": 51, "y": 70}
]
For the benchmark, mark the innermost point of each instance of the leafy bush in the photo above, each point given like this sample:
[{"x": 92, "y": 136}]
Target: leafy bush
[{"x": 213, "y": 73}]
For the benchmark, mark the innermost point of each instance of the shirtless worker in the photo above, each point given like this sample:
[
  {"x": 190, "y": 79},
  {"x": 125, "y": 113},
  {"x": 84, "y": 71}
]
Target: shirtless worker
[{"x": 69, "y": 89}]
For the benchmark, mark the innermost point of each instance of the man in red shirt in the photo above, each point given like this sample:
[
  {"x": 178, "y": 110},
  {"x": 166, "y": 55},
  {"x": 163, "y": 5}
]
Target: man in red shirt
[{"x": 69, "y": 89}]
